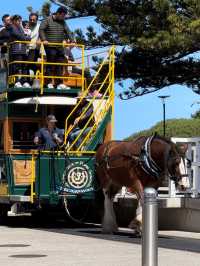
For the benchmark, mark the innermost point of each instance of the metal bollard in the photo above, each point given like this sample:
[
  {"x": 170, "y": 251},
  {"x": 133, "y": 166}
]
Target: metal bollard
[{"x": 150, "y": 228}]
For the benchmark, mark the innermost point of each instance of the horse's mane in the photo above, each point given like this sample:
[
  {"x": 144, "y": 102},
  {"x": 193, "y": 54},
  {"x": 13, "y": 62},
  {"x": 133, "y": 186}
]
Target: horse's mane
[
  {"x": 156, "y": 136},
  {"x": 167, "y": 140}
]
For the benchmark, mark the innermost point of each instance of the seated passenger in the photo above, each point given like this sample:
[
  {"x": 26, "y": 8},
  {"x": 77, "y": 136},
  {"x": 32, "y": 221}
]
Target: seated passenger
[
  {"x": 18, "y": 51},
  {"x": 80, "y": 122},
  {"x": 49, "y": 136}
]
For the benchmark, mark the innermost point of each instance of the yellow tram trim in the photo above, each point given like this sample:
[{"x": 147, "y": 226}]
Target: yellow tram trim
[
  {"x": 110, "y": 99},
  {"x": 33, "y": 178},
  {"x": 42, "y": 63}
]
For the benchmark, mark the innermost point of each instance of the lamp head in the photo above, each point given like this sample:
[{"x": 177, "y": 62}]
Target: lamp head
[{"x": 163, "y": 97}]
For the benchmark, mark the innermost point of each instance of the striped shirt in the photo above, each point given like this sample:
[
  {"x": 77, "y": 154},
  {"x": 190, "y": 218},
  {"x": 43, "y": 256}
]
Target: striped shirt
[{"x": 52, "y": 30}]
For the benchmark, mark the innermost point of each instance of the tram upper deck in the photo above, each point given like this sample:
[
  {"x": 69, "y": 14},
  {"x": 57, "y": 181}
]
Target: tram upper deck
[
  {"x": 23, "y": 110},
  {"x": 72, "y": 80}
]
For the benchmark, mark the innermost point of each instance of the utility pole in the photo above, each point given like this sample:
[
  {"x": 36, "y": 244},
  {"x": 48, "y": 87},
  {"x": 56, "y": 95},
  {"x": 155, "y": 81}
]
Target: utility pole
[{"x": 163, "y": 98}]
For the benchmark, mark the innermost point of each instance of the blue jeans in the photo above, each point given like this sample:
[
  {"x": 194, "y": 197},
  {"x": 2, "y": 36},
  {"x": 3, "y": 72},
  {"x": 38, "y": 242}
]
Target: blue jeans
[{"x": 74, "y": 133}]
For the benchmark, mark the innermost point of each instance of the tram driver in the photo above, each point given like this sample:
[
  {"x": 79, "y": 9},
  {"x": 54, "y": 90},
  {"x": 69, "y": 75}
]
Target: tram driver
[{"x": 50, "y": 137}]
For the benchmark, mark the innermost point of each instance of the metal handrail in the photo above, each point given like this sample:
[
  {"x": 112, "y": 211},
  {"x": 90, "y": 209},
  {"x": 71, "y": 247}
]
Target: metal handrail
[
  {"x": 92, "y": 115},
  {"x": 43, "y": 63},
  {"x": 32, "y": 178},
  {"x": 84, "y": 95},
  {"x": 101, "y": 114},
  {"x": 110, "y": 100},
  {"x": 86, "y": 109}
]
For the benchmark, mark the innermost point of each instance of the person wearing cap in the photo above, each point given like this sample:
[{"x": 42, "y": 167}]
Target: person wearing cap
[
  {"x": 81, "y": 120},
  {"x": 55, "y": 30},
  {"x": 50, "y": 136}
]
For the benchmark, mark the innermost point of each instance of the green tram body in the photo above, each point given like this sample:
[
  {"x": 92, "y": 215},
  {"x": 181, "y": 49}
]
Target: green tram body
[{"x": 35, "y": 178}]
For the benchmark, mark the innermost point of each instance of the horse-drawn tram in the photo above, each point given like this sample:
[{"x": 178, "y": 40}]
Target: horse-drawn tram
[{"x": 38, "y": 168}]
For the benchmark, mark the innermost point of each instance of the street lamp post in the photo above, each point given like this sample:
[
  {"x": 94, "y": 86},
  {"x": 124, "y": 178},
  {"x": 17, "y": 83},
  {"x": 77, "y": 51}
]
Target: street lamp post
[{"x": 163, "y": 98}]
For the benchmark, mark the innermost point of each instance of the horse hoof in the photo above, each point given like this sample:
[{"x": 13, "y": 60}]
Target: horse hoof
[
  {"x": 107, "y": 231},
  {"x": 137, "y": 233},
  {"x": 136, "y": 227},
  {"x": 133, "y": 225}
]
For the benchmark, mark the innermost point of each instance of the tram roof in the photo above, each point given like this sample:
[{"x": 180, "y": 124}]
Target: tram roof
[{"x": 48, "y": 100}]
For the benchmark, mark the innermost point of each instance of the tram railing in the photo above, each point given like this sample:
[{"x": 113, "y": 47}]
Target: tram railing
[
  {"x": 42, "y": 64},
  {"x": 33, "y": 178},
  {"x": 105, "y": 103}
]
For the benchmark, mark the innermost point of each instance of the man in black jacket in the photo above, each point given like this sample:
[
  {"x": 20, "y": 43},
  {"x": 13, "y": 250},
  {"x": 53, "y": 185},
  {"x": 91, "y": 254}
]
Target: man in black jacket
[
  {"x": 18, "y": 51},
  {"x": 6, "y": 19},
  {"x": 55, "y": 30},
  {"x": 4, "y": 37}
]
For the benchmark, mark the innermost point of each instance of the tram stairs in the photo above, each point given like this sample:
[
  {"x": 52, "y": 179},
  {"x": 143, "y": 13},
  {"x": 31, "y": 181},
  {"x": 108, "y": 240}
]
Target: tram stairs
[{"x": 102, "y": 104}]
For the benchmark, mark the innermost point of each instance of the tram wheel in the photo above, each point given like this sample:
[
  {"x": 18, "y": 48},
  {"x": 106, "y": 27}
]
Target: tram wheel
[{"x": 4, "y": 208}]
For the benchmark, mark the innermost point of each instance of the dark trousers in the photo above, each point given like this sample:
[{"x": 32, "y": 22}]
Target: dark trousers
[
  {"x": 18, "y": 69},
  {"x": 33, "y": 56},
  {"x": 54, "y": 55}
]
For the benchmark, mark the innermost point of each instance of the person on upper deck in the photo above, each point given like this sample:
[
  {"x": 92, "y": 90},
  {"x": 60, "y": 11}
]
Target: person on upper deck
[
  {"x": 34, "y": 48},
  {"x": 18, "y": 51},
  {"x": 80, "y": 121},
  {"x": 25, "y": 25},
  {"x": 33, "y": 51},
  {"x": 5, "y": 36},
  {"x": 6, "y": 19},
  {"x": 55, "y": 30}
]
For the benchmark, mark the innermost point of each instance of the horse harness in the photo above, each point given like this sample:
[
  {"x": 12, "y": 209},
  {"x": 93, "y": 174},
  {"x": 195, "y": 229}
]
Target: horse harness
[{"x": 144, "y": 159}]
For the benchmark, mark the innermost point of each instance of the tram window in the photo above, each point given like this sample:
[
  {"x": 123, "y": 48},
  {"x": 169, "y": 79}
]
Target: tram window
[
  {"x": 23, "y": 134},
  {"x": 1, "y": 135}
]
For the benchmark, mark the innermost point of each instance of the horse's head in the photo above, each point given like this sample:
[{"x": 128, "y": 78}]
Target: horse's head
[{"x": 176, "y": 166}]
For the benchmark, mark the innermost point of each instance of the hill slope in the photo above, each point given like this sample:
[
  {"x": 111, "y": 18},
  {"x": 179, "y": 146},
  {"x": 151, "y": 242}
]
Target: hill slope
[{"x": 174, "y": 128}]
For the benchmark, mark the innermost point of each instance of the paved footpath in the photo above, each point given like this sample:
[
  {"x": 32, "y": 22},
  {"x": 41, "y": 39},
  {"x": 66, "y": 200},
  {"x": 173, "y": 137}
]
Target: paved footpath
[{"x": 87, "y": 246}]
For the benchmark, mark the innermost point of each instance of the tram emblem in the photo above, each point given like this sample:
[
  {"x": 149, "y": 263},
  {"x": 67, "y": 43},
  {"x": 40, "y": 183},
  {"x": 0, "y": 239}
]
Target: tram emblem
[{"x": 77, "y": 178}]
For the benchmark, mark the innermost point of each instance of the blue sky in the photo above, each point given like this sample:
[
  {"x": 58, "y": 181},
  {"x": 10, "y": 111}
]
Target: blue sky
[{"x": 136, "y": 114}]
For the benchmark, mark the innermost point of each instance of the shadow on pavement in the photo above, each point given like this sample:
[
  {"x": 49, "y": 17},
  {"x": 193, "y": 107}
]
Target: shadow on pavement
[{"x": 53, "y": 225}]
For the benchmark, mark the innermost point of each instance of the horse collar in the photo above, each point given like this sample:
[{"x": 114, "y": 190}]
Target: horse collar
[{"x": 147, "y": 162}]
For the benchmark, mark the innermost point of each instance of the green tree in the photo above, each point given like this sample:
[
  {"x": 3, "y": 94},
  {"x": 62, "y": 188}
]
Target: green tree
[
  {"x": 158, "y": 40},
  {"x": 196, "y": 115}
]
